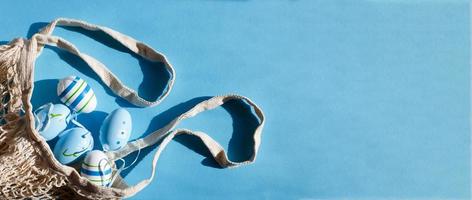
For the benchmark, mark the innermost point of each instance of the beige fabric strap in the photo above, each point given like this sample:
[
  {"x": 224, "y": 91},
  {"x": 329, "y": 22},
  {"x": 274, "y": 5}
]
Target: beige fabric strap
[
  {"x": 44, "y": 37},
  {"x": 165, "y": 134},
  {"x": 168, "y": 132}
]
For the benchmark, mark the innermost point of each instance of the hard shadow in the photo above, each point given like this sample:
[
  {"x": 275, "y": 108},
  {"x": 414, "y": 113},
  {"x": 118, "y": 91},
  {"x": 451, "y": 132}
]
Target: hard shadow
[
  {"x": 244, "y": 124},
  {"x": 155, "y": 75},
  {"x": 42, "y": 95},
  {"x": 52, "y": 143},
  {"x": 42, "y": 92},
  {"x": 240, "y": 144},
  {"x": 79, "y": 65},
  {"x": 155, "y": 78},
  {"x": 158, "y": 122},
  {"x": 93, "y": 121},
  {"x": 34, "y": 28},
  {"x": 196, "y": 145}
]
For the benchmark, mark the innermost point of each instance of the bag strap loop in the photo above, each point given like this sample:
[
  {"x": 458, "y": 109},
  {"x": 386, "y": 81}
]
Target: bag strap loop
[
  {"x": 168, "y": 132},
  {"x": 44, "y": 37}
]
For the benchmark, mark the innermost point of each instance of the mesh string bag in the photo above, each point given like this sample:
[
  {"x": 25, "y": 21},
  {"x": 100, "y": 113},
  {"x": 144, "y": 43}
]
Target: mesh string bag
[{"x": 28, "y": 168}]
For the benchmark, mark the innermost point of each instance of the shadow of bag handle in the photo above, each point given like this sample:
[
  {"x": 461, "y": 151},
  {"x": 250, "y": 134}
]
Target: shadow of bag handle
[
  {"x": 44, "y": 37},
  {"x": 168, "y": 132}
]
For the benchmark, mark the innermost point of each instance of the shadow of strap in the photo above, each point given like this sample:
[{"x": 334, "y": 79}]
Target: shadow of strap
[
  {"x": 167, "y": 133},
  {"x": 44, "y": 37}
]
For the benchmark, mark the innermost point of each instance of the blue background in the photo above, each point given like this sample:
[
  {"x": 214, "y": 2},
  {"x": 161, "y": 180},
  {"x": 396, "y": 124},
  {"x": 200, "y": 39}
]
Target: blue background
[{"x": 364, "y": 99}]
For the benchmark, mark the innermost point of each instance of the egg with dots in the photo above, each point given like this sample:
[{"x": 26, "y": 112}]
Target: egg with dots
[
  {"x": 73, "y": 144},
  {"x": 96, "y": 168},
  {"x": 115, "y": 130},
  {"x": 76, "y": 94}
]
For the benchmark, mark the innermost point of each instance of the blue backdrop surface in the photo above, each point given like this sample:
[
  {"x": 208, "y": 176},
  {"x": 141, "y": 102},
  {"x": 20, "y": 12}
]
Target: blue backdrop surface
[{"x": 363, "y": 99}]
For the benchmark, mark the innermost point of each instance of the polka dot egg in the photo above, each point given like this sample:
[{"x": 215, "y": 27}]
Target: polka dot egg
[
  {"x": 76, "y": 94},
  {"x": 115, "y": 130},
  {"x": 96, "y": 168}
]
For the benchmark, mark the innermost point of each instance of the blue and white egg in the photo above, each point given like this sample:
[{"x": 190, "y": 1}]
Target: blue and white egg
[
  {"x": 96, "y": 168},
  {"x": 51, "y": 119},
  {"x": 77, "y": 94},
  {"x": 115, "y": 130},
  {"x": 73, "y": 144}
]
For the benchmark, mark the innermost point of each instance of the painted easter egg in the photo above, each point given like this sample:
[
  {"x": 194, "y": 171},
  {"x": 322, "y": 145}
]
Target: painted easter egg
[
  {"x": 51, "y": 119},
  {"x": 72, "y": 144},
  {"x": 96, "y": 168},
  {"x": 77, "y": 94},
  {"x": 115, "y": 130}
]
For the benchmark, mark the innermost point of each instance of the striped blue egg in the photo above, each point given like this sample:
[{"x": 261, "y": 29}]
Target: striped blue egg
[
  {"x": 77, "y": 94},
  {"x": 96, "y": 168}
]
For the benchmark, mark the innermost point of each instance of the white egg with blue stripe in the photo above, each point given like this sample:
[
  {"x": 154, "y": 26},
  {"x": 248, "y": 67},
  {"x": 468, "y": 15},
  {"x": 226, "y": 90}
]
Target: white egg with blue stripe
[
  {"x": 76, "y": 94},
  {"x": 96, "y": 168}
]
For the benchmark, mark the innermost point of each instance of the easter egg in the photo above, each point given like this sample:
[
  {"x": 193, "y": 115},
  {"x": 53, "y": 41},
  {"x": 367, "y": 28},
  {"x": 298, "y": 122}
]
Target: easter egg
[
  {"x": 72, "y": 144},
  {"x": 115, "y": 130},
  {"x": 96, "y": 168},
  {"x": 77, "y": 94},
  {"x": 51, "y": 119}
]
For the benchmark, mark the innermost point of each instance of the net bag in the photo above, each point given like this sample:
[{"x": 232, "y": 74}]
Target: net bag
[{"x": 28, "y": 168}]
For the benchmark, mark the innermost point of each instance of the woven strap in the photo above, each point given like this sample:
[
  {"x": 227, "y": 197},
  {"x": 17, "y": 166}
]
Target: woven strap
[
  {"x": 44, "y": 37},
  {"x": 168, "y": 132}
]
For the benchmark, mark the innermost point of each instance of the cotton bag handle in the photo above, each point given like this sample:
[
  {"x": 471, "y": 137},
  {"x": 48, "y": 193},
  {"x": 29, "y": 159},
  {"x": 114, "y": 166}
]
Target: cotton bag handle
[
  {"x": 141, "y": 49},
  {"x": 168, "y": 132}
]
